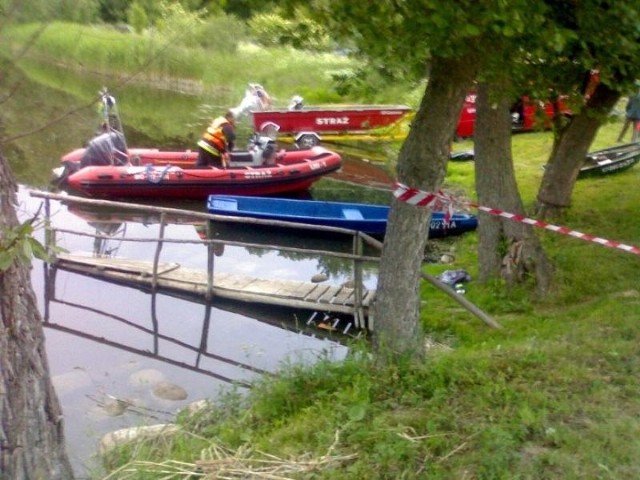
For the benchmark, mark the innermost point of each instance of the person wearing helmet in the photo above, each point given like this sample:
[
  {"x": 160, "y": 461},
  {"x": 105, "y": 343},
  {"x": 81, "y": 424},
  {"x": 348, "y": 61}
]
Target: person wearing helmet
[
  {"x": 216, "y": 142},
  {"x": 296, "y": 103}
]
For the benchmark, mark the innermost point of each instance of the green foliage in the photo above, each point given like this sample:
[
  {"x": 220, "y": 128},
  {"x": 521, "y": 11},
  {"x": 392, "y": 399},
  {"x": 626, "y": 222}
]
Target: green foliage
[
  {"x": 245, "y": 9},
  {"x": 137, "y": 17},
  {"x": 219, "y": 33},
  {"x": 300, "y": 32},
  {"x": 153, "y": 57},
  {"x": 189, "y": 27},
  {"x": 402, "y": 36},
  {"x": 84, "y": 11},
  {"x": 118, "y": 11},
  {"x": 147, "y": 11},
  {"x": 174, "y": 18},
  {"x": 108, "y": 50},
  {"x": 114, "y": 11},
  {"x": 19, "y": 245},
  {"x": 80, "y": 11},
  {"x": 368, "y": 81}
]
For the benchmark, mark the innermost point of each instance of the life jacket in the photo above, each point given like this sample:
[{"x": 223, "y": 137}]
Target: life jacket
[{"x": 213, "y": 139}]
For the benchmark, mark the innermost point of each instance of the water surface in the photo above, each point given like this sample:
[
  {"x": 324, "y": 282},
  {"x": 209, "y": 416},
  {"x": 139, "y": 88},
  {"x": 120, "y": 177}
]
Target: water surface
[{"x": 107, "y": 342}]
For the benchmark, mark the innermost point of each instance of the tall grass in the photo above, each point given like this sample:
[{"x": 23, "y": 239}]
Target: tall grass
[
  {"x": 159, "y": 56},
  {"x": 105, "y": 49}
]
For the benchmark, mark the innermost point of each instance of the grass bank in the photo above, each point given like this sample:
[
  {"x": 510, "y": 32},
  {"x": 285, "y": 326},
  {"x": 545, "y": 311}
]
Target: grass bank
[
  {"x": 554, "y": 395},
  {"x": 163, "y": 60}
]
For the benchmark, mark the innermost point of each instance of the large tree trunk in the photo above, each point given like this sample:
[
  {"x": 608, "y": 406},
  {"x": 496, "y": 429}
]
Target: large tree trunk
[
  {"x": 32, "y": 442},
  {"x": 422, "y": 164},
  {"x": 506, "y": 247},
  {"x": 569, "y": 152}
]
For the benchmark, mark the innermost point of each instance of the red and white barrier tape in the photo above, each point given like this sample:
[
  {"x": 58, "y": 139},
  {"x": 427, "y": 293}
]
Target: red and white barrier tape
[{"x": 440, "y": 201}]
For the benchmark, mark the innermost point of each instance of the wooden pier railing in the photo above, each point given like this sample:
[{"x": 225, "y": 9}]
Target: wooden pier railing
[{"x": 352, "y": 299}]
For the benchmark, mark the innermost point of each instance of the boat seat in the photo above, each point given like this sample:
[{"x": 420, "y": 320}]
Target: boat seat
[
  {"x": 352, "y": 214},
  {"x": 244, "y": 159}
]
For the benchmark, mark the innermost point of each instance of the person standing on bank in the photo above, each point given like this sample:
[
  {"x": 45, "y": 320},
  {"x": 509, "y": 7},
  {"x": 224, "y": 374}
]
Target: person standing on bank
[
  {"x": 216, "y": 142},
  {"x": 632, "y": 117}
]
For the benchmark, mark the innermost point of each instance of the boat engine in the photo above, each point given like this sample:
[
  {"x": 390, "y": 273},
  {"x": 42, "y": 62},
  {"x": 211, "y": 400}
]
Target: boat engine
[
  {"x": 263, "y": 150},
  {"x": 106, "y": 149}
]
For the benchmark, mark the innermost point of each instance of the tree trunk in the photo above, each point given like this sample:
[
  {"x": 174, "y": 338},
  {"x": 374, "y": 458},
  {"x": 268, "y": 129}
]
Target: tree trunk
[
  {"x": 506, "y": 248},
  {"x": 32, "y": 442},
  {"x": 422, "y": 164},
  {"x": 570, "y": 150}
]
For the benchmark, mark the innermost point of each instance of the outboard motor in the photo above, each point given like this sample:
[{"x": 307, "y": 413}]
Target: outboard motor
[
  {"x": 106, "y": 149},
  {"x": 263, "y": 150}
]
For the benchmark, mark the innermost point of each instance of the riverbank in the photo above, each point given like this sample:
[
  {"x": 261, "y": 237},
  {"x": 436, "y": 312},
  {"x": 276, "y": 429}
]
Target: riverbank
[{"x": 552, "y": 395}]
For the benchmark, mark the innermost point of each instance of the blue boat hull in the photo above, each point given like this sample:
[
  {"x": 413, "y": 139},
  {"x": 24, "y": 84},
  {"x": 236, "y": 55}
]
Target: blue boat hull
[{"x": 371, "y": 219}]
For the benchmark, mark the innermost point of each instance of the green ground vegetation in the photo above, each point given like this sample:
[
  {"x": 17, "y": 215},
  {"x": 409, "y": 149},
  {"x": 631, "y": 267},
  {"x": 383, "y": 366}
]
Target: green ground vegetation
[
  {"x": 553, "y": 395},
  {"x": 222, "y": 71}
]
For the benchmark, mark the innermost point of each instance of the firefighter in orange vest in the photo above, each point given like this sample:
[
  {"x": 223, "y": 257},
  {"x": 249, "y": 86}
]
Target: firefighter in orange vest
[{"x": 216, "y": 142}]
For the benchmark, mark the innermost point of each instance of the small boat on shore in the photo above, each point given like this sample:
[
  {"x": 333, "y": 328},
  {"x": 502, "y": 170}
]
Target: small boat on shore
[
  {"x": 597, "y": 164},
  {"x": 610, "y": 160},
  {"x": 367, "y": 218}
]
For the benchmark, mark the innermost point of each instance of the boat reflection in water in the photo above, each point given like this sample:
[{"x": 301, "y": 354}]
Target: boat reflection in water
[
  {"x": 113, "y": 224},
  {"x": 245, "y": 241}
]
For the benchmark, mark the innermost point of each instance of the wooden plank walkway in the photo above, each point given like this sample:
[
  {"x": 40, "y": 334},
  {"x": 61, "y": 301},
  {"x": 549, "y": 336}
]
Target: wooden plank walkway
[{"x": 172, "y": 276}]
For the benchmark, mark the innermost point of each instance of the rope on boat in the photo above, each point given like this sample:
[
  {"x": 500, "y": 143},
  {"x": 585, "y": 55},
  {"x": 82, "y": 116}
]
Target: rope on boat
[{"x": 151, "y": 173}]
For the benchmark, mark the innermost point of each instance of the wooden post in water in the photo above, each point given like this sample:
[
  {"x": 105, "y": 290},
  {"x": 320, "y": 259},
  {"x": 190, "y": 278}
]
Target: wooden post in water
[
  {"x": 210, "y": 264},
  {"x": 156, "y": 258},
  {"x": 49, "y": 245},
  {"x": 358, "y": 314},
  {"x": 49, "y": 233}
]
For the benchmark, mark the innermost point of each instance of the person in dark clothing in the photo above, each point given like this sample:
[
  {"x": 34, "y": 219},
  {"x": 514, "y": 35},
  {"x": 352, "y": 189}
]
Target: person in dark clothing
[
  {"x": 632, "y": 117},
  {"x": 216, "y": 142}
]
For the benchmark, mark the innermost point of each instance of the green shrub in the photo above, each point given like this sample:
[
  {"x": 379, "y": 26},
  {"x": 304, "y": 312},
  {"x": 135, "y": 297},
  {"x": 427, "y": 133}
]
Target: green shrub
[
  {"x": 137, "y": 17},
  {"x": 273, "y": 30},
  {"x": 221, "y": 33}
]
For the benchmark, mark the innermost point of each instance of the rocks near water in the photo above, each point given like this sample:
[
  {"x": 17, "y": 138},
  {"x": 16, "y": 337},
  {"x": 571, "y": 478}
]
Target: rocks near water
[
  {"x": 169, "y": 391},
  {"x": 126, "y": 435},
  {"x": 319, "y": 278}
]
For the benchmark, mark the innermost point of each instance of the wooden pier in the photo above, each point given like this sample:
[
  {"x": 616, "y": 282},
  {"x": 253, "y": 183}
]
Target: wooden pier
[
  {"x": 352, "y": 300},
  {"x": 173, "y": 277}
]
